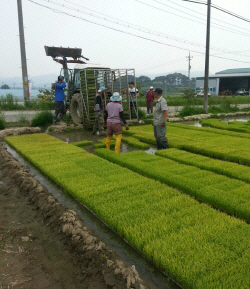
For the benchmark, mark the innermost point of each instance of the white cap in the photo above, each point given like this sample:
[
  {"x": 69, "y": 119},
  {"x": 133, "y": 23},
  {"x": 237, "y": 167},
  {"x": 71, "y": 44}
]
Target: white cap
[{"x": 151, "y": 87}]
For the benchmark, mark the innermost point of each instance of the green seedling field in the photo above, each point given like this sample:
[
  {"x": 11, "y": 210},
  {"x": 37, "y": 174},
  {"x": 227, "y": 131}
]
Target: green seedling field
[{"x": 195, "y": 244}]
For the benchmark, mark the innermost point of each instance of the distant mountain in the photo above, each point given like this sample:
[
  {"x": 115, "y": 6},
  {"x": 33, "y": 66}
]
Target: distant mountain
[
  {"x": 40, "y": 81},
  {"x": 37, "y": 81},
  {"x": 184, "y": 72}
]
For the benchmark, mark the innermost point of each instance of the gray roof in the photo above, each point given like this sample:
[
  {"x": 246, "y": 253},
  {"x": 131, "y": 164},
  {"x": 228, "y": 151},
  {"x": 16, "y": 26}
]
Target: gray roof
[{"x": 234, "y": 71}]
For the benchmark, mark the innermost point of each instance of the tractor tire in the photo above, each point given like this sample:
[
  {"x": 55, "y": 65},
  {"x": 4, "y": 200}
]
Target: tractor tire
[{"x": 76, "y": 109}]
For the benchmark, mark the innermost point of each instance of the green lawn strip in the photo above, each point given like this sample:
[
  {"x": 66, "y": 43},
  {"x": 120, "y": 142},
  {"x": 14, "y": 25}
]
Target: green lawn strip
[
  {"x": 232, "y": 170},
  {"x": 196, "y": 245},
  {"x": 135, "y": 143},
  {"x": 237, "y": 126},
  {"x": 229, "y": 195},
  {"x": 219, "y": 146},
  {"x": 82, "y": 143}
]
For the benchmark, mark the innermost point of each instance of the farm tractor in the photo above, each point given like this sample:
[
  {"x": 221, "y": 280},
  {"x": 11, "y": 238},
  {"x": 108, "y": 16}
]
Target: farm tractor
[{"x": 84, "y": 81}]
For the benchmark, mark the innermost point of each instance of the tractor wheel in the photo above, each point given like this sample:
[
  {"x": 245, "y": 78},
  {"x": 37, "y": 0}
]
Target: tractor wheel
[{"x": 76, "y": 109}]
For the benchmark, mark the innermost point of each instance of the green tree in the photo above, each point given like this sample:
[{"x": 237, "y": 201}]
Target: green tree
[{"x": 5, "y": 86}]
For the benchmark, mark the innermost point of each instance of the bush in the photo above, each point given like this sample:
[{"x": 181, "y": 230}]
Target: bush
[
  {"x": 2, "y": 123},
  {"x": 190, "y": 110},
  {"x": 42, "y": 119}
]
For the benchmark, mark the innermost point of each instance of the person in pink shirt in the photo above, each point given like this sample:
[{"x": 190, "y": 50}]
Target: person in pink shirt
[
  {"x": 114, "y": 117},
  {"x": 150, "y": 99}
]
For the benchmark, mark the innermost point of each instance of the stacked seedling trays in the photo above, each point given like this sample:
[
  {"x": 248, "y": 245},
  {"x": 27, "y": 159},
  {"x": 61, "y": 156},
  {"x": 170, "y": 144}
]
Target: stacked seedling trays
[{"x": 88, "y": 88}]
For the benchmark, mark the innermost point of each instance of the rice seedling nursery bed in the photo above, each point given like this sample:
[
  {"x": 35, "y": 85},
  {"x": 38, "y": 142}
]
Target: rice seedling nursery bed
[
  {"x": 238, "y": 126},
  {"x": 229, "y": 195},
  {"x": 214, "y": 143},
  {"x": 232, "y": 170},
  {"x": 196, "y": 245}
]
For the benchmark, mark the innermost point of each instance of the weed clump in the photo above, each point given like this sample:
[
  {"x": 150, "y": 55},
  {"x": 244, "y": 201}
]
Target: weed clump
[
  {"x": 42, "y": 119},
  {"x": 2, "y": 123}
]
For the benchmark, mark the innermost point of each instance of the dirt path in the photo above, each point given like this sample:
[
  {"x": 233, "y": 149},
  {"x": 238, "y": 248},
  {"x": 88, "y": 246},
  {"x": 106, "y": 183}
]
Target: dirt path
[{"x": 43, "y": 244}]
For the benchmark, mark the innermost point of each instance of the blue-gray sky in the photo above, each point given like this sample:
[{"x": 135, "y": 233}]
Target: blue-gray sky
[{"x": 118, "y": 50}]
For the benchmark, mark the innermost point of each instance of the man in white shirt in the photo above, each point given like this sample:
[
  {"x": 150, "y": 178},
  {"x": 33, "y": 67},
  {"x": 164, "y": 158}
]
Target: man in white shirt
[{"x": 160, "y": 120}]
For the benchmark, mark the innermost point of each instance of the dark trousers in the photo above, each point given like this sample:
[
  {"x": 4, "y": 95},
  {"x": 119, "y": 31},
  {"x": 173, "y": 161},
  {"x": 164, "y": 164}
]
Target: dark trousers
[
  {"x": 59, "y": 109},
  {"x": 99, "y": 123},
  {"x": 160, "y": 137},
  {"x": 133, "y": 105},
  {"x": 150, "y": 105}
]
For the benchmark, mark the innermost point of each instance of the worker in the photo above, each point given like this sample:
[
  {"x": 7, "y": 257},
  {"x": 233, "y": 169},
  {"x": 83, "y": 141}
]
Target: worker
[
  {"x": 99, "y": 110},
  {"x": 160, "y": 120},
  {"x": 59, "y": 99},
  {"x": 114, "y": 116},
  {"x": 150, "y": 99},
  {"x": 133, "y": 94}
]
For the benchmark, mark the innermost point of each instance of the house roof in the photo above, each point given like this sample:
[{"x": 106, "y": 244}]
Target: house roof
[{"x": 234, "y": 71}]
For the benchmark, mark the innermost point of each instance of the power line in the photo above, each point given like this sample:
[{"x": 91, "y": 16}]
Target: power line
[
  {"x": 129, "y": 33},
  {"x": 136, "y": 27},
  {"x": 218, "y": 26},
  {"x": 215, "y": 19},
  {"x": 163, "y": 64},
  {"x": 197, "y": 2},
  {"x": 222, "y": 10}
]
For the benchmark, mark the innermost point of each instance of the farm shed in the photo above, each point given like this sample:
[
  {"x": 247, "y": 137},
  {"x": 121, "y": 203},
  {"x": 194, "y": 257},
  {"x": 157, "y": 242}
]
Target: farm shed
[{"x": 226, "y": 82}]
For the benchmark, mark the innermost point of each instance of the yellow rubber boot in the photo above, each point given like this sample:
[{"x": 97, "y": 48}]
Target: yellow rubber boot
[
  {"x": 118, "y": 139},
  {"x": 108, "y": 141}
]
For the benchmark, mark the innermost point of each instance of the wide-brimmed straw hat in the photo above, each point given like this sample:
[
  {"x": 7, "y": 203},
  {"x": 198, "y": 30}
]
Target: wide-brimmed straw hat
[{"x": 116, "y": 97}]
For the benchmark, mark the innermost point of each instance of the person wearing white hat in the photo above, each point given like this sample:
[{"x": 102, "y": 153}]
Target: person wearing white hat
[
  {"x": 114, "y": 116},
  {"x": 99, "y": 109},
  {"x": 150, "y": 99}
]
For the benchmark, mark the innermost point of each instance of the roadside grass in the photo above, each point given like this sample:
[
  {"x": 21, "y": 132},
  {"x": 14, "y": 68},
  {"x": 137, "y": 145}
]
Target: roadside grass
[
  {"x": 9, "y": 102},
  {"x": 196, "y": 245},
  {"x": 2, "y": 123}
]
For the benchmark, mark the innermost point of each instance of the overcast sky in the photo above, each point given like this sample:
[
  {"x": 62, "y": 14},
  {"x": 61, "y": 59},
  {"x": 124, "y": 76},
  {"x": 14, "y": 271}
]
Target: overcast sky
[{"x": 119, "y": 50}]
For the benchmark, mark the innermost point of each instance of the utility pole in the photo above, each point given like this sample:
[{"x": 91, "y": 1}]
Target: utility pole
[
  {"x": 205, "y": 102},
  {"x": 23, "y": 52},
  {"x": 189, "y": 68}
]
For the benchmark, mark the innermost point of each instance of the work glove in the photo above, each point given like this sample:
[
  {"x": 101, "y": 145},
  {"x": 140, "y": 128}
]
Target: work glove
[
  {"x": 163, "y": 124},
  {"x": 127, "y": 127}
]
